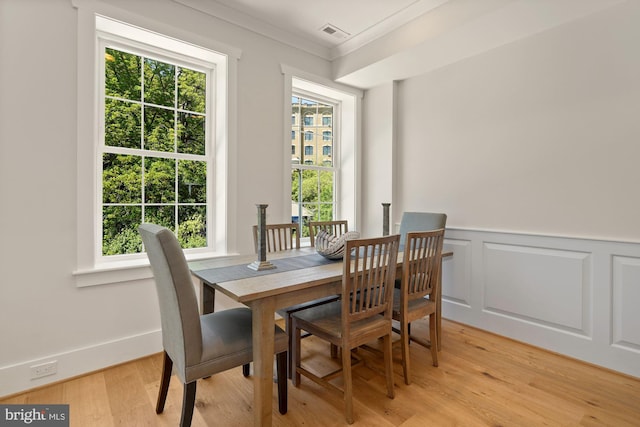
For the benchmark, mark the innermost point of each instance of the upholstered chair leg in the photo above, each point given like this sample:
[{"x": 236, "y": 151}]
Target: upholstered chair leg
[
  {"x": 167, "y": 366},
  {"x": 347, "y": 384},
  {"x": 188, "y": 402},
  {"x": 406, "y": 362},
  {"x": 246, "y": 369},
  {"x": 433, "y": 336},
  {"x": 388, "y": 365},
  {"x": 282, "y": 370}
]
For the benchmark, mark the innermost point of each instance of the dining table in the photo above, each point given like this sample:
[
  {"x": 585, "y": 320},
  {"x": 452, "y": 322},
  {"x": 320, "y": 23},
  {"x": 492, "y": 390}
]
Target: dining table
[{"x": 299, "y": 275}]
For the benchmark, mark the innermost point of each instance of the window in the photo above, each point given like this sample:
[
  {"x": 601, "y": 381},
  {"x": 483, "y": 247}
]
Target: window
[
  {"x": 308, "y": 136},
  {"x": 313, "y": 181},
  {"x": 326, "y": 121},
  {"x": 293, "y": 134},
  {"x": 323, "y": 187},
  {"x": 326, "y": 150},
  {"x": 154, "y": 163},
  {"x": 147, "y": 139}
]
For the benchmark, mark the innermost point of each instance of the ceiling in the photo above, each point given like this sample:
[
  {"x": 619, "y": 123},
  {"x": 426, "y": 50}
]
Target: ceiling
[{"x": 384, "y": 40}]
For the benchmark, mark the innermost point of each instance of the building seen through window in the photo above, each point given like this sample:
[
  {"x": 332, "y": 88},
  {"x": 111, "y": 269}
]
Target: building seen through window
[{"x": 313, "y": 170}]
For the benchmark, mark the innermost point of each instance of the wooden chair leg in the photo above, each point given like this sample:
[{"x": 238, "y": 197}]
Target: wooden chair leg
[
  {"x": 433, "y": 336},
  {"x": 334, "y": 351},
  {"x": 167, "y": 366},
  {"x": 188, "y": 402},
  {"x": 288, "y": 324},
  {"x": 282, "y": 370},
  {"x": 295, "y": 355},
  {"x": 404, "y": 342},
  {"x": 348, "y": 385},
  {"x": 388, "y": 365},
  {"x": 246, "y": 369}
]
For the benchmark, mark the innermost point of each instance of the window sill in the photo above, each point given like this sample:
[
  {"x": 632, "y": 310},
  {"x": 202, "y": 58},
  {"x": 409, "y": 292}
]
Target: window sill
[{"x": 125, "y": 271}]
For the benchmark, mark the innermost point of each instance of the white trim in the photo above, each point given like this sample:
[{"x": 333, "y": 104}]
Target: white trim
[
  {"x": 235, "y": 17},
  {"x": 15, "y": 378}
]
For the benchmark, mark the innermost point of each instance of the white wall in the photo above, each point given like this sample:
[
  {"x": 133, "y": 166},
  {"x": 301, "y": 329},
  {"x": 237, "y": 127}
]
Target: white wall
[
  {"x": 539, "y": 135},
  {"x": 43, "y": 315},
  {"x": 378, "y": 145},
  {"x": 532, "y": 151}
]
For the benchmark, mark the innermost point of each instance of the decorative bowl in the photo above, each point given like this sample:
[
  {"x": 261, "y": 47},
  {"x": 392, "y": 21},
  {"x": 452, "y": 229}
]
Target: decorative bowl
[{"x": 332, "y": 247}]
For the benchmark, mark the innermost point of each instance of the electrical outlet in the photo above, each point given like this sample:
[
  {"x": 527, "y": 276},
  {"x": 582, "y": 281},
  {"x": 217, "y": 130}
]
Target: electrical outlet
[{"x": 44, "y": 369}]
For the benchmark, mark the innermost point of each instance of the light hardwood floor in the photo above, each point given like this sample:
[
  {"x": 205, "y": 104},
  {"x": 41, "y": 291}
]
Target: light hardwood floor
[{"x": 482, "y": 380}]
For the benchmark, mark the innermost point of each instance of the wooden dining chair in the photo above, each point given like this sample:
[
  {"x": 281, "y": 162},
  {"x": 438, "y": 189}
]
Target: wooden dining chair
[
  {"x": 284, "y": 237},
  {"x": 425, "y": 221},
  {"x": 418, "y": 293},
  {"x": 199, "y": 346},
  {"x": 280, "y": 237},
  {"x": 362, "y": 315},
  {"x": 336, "y": 228}
]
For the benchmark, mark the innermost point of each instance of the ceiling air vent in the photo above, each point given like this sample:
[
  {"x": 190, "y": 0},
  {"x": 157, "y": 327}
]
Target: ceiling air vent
[{"x": 334, "y": 31}]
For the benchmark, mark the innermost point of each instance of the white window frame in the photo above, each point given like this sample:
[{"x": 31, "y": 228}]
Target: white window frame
[
  {"x": 202, "y": 64},
  {"x": 91, "y": 268},
  {"x": 347, "y": 126}
]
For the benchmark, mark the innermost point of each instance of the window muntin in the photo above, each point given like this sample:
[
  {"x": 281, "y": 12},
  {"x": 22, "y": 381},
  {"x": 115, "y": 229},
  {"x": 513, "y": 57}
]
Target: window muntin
[
  {"x": 154, "y": 150},
  {"x": 313, "y": 172}
]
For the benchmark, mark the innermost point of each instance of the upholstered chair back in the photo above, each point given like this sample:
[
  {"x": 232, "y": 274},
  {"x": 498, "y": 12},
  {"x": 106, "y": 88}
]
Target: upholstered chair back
[
  {"x": 181, "y": 331},
  {"x": 420, "y": 221}
]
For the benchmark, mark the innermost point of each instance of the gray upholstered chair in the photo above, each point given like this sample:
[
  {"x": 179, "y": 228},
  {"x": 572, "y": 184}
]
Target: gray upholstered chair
[
  {"x": 420, "y": 221},
  {"x": 424, "y": 221},
  {"x": 198, "y": 346}
]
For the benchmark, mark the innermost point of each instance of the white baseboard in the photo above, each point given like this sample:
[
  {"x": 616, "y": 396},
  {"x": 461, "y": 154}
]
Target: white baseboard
[{"x": 17, "y": 378}]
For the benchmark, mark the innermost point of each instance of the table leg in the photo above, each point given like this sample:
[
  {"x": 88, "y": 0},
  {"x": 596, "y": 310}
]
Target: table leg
[
  {"x": 263, "y": 352},
  {"x": 207, "y": 298}
]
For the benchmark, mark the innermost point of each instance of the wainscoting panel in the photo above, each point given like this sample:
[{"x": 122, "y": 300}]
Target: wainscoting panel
[
  {"x": 541, "y": 285},
  {"x": 626, "y": 302},
  {"x": 574, "y": 296},
  {"x": 457, "y": 290}
]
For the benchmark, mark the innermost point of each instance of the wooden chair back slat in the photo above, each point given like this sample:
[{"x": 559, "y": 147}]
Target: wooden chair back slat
[
  {"x": 280, "y": 237},
  {"x": 336, "y": 228},
  {"x": 422, "y": 263},
  {"x": 370, "y": 266}
]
